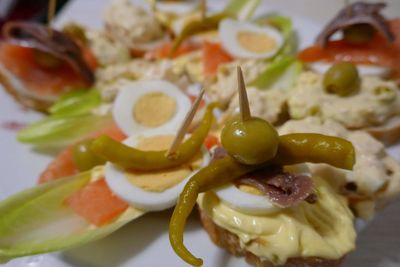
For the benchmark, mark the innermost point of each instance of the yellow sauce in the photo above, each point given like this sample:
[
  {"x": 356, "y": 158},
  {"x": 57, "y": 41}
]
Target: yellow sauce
[
  {"x": 154, "y": 109},
  {"x": 159, "y": 181},
  {"x": 324, "y": 229},
  {"x": 256, "y": 42}
]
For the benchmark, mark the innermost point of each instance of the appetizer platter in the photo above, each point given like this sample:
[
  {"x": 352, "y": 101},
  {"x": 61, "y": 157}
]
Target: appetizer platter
[{"x": 198, "y": 133}]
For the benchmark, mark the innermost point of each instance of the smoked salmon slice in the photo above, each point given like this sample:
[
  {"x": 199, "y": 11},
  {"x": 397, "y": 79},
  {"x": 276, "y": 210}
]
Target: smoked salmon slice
[
  {"x": 63, "y": 164},
  {"x": 96, "y": 203},
  {"x": 41, "y": 81},
  {"x": 376, "y": 52},
  {"x": 213, "y": 56}
]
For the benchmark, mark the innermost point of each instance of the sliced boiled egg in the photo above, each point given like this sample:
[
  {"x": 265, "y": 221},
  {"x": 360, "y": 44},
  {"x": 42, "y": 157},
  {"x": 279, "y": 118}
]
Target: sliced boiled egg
[
  {"x": 248, "y": 199},
  {"x": 144, "y": 105},
  {"x": 156, "y": 190},
  {"x": 363, "y": 69},
  {"x": 247, "y": 40},
  {"x": 177, "y": 7}
]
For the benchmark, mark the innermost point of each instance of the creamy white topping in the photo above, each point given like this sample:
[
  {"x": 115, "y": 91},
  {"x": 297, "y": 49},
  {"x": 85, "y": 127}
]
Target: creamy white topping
[
  {"x": 374, "y": 172},
  {"x": 376, "y": 102},
  {"x": 265, "y": 104},
  {"x": 225, "y": 86},
  {"x": 107, "y": 50},
  {"x": 111, "y": 78},
  {"x": 131, "y": 24}
]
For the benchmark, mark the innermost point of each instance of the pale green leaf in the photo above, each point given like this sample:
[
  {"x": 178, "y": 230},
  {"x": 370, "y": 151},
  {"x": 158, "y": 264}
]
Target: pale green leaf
[
  {"x": 77, "y": 102},
  {"x": 59, "y": 131},
  {"x": 242, "y": 9},
  {"x": 37, "y": 220},
  {"x": 279, "y": 74}
]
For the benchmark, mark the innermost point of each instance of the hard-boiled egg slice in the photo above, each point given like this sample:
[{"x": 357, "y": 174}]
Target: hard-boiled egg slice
[
  {"x": 177, "y": 7},
  {"x": 145, "y": 105},
  {"x": 247, "y": 200},
  {"x": 152, "y": 191},
  {"x": 363, "y": 69},
  {"x": 247, "y": 40}
]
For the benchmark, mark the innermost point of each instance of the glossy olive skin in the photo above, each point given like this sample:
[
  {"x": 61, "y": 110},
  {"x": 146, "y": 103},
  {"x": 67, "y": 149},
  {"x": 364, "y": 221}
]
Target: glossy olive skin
[
  {"x": 358, "y": 33},
  {"x": 84, "y": 158},
  {"x": 342, "y": 79},
  {"x": 46, "y": 60},
  {"x": 250, "y": 142}
]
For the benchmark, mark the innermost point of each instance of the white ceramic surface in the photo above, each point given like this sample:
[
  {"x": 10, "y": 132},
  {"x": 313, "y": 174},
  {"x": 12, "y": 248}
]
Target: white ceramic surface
[{"x": 144, "y": 242}]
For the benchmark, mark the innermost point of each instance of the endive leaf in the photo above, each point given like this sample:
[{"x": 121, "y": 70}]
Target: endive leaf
[
  {"x": 37, "y": 221},
  {"x": 58, "y": 131},
  {"x": 285, "y": 26},
  {"x": 281, "y": 73},
  {"x": 77, "y": 102},
  {"x": 242, "y": 9}
]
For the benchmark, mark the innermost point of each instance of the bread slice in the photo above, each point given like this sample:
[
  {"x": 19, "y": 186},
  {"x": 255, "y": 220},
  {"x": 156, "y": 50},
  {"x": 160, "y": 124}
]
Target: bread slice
[
  {"x": 388, "y": 133},
  {"x": 230, "y": 242},
  {"x": 23, "y": 99}
]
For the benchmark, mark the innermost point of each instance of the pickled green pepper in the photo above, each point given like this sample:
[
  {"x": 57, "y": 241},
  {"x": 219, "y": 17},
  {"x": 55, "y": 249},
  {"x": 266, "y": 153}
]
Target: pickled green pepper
[{"x": 132, "y": 158}]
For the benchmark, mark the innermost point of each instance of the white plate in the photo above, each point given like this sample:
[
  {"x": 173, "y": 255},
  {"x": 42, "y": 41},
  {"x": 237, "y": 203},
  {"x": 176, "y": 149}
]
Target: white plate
[{"x": 144, "y": 242}]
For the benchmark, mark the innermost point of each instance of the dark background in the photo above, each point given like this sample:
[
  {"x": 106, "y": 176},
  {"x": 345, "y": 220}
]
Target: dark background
[{"x": 29, "y": 10}]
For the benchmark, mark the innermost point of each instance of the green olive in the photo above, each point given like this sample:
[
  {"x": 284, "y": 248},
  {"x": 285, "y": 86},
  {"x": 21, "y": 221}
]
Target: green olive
[
  {"x": 84, "y": 158},
  {"x": 250, "y": 142},
  {"x": 359, "y": 33},
  {"x": 342, "y": 79},
  {"x": 46, "y": 60}
]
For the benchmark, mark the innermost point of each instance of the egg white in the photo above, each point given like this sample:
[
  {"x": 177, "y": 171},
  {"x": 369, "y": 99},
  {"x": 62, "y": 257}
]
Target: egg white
[
  {"x": 229, "y": 29},
  {"x": 252, "y": 204},
  {"x": 130, "y": 93},
  {"x": 139, "y": 198},
  {"x": 363, "y": 69}
]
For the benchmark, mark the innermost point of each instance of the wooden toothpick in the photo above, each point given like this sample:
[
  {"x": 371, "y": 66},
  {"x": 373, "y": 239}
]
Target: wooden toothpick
[
  {"x": 50, "y": 15},
  {"x": 348, "y": 8},
  {"x": 203, "y": 9},
  {"x": 185, "y": 125},
  {"x": 243, "y": 100}
]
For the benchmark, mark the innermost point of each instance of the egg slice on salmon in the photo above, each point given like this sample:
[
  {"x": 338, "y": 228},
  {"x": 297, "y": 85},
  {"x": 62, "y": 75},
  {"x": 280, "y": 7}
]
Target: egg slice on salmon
[
  {"x": 147, "y": 105},
  {"x": 247, "y": 40},
  {"x": 250, "y": 200},
  {"x": 153, "y": 190}
]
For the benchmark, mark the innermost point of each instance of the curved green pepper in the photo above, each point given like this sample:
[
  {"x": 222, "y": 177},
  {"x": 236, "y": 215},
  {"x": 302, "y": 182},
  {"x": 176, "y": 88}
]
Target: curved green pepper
[
  {"x": 315, "y": 148},
  {"x": 131, "y": 158},
  {"x": 293, "y": 148},
  {"x": 196, "y": 27}
]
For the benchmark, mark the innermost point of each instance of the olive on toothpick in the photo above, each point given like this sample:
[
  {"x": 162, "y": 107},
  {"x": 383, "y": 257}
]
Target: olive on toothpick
[{"x": 249, "y": 140}]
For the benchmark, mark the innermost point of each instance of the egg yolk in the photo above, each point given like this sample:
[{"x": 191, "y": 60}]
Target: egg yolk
[
  {"x": 250, "y": 190},
  {"x": 154, "y": 109},
  {"x": 256, "y": 42},
  {"x": 159, "y": 181}
]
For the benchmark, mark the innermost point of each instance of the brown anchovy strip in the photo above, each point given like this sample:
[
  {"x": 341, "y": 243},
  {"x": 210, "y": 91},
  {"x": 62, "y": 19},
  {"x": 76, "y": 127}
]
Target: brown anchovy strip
[
  {"x": 282, "y": 188},
  {"x": 59, "y": 45},
  {"x": 357, "y": 13}
]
